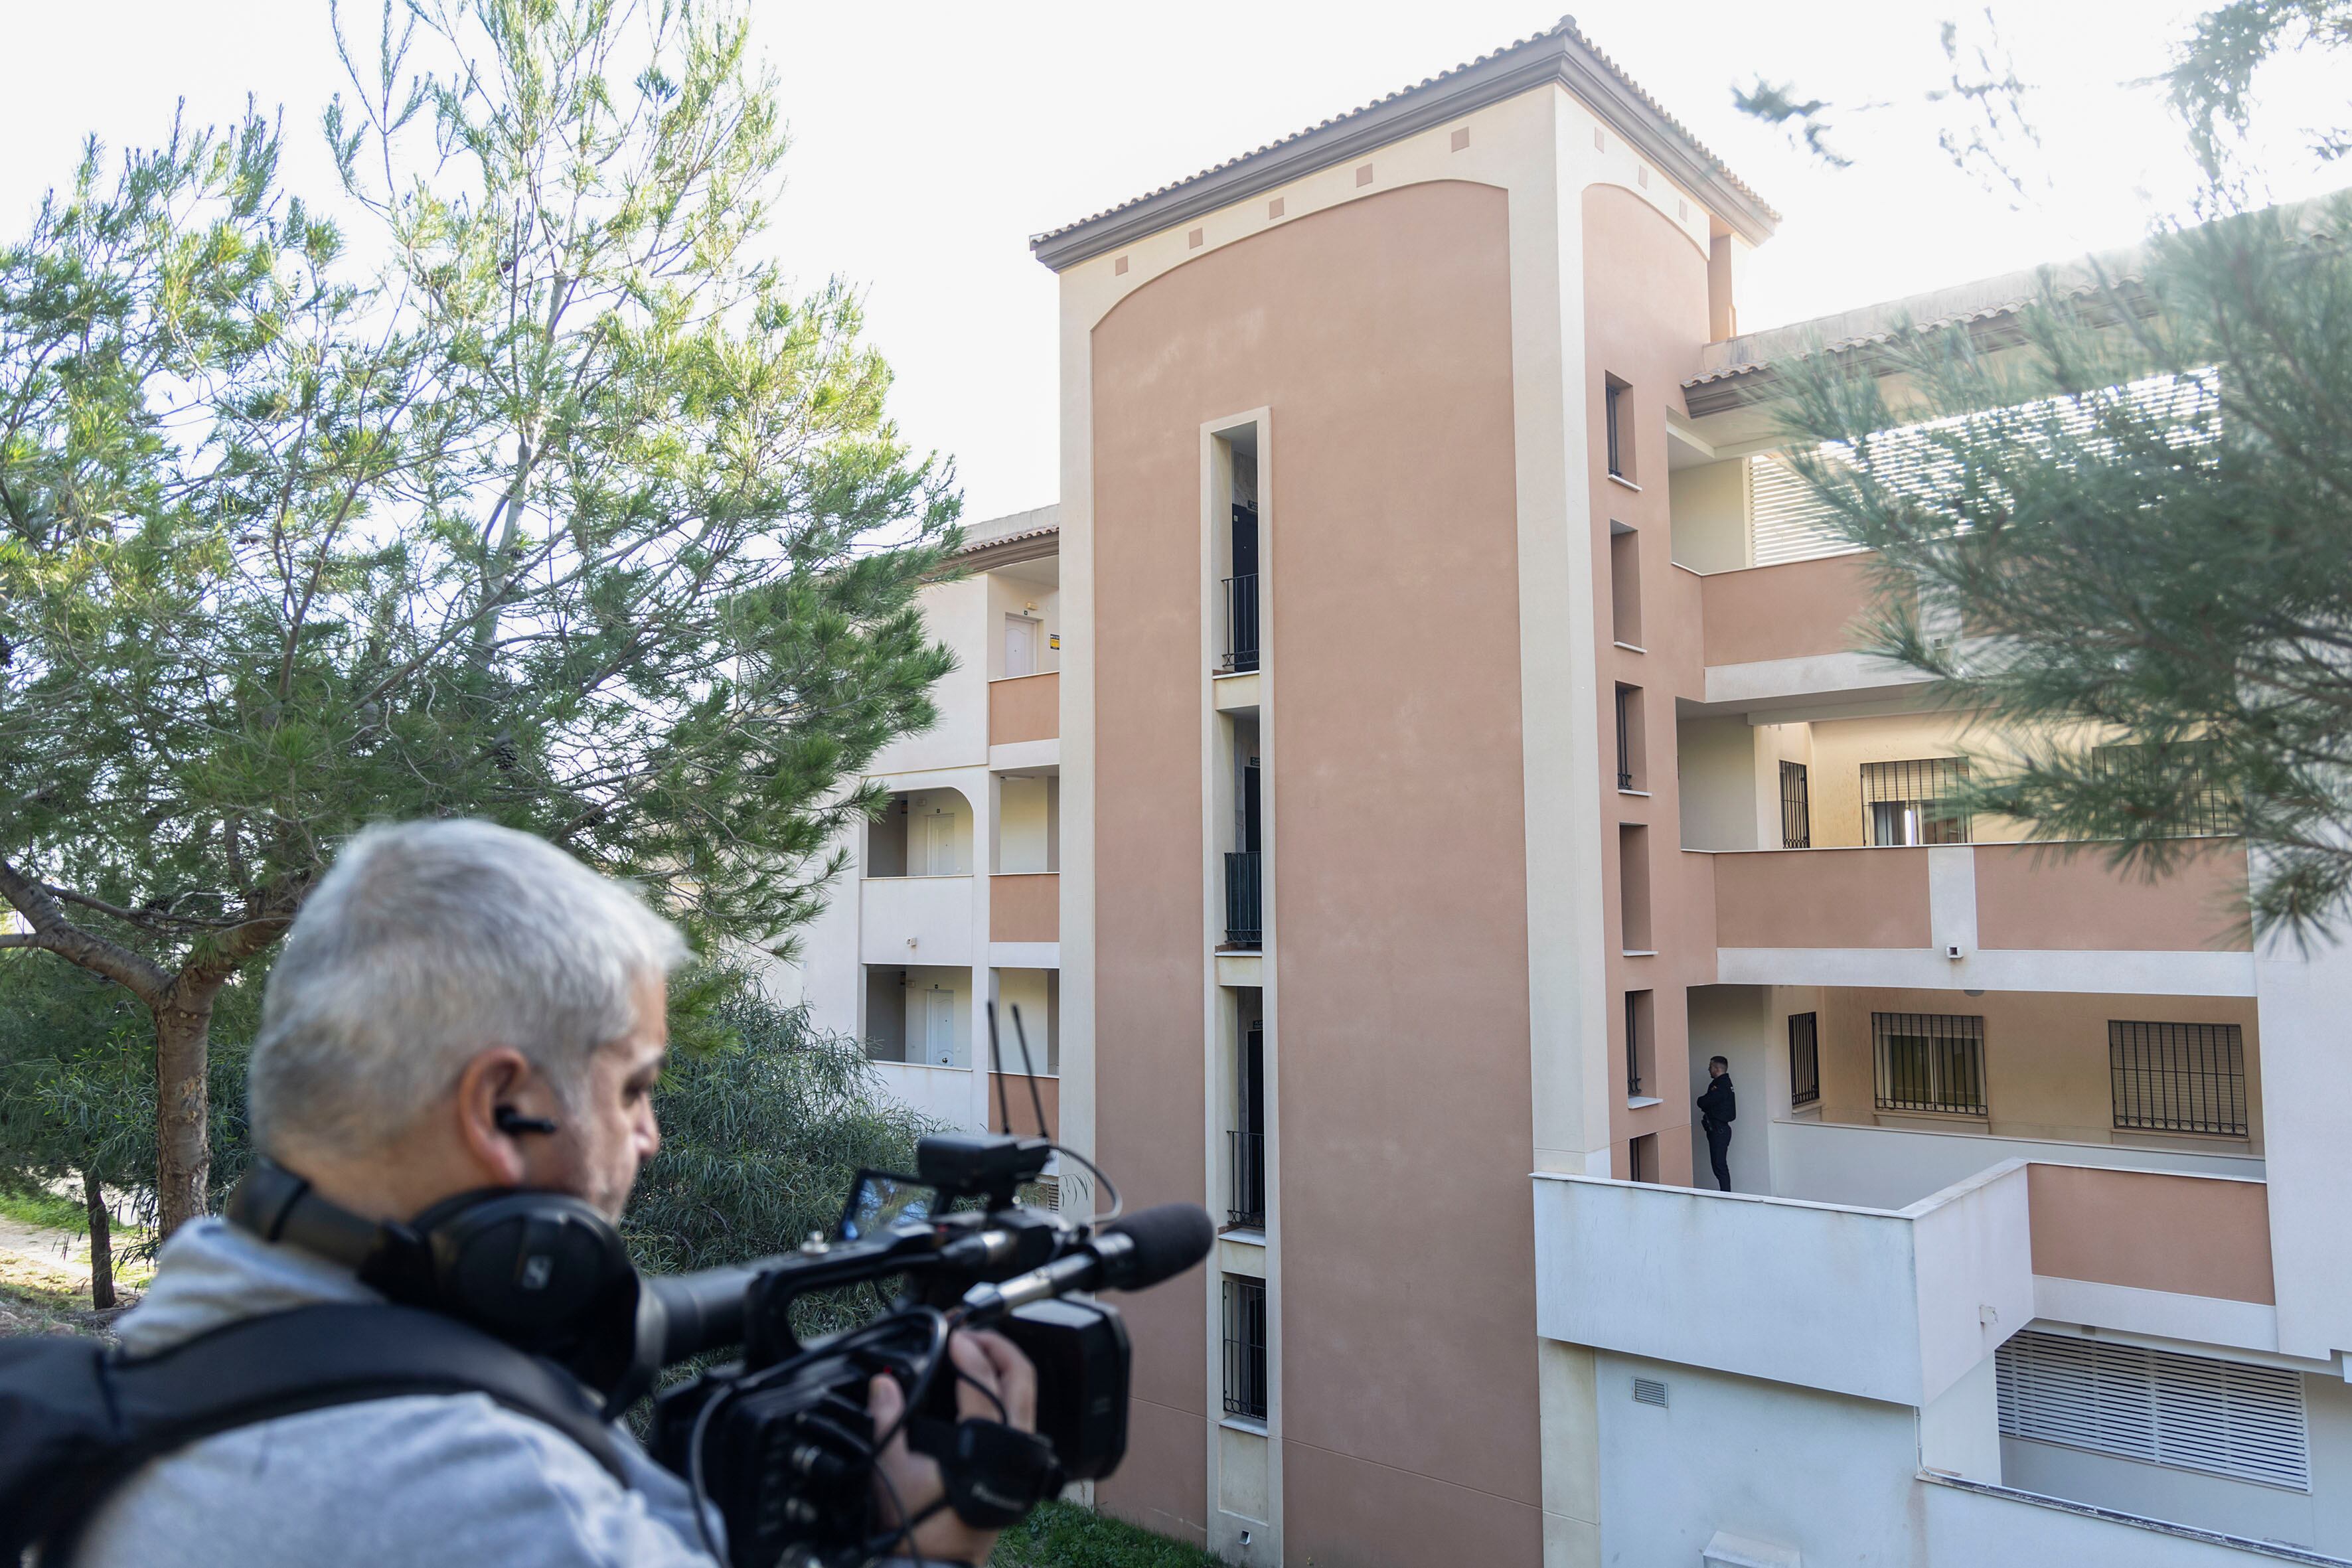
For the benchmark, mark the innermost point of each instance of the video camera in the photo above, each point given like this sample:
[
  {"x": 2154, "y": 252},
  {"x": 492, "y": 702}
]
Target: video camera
[{"x": 781, "y": 1441}]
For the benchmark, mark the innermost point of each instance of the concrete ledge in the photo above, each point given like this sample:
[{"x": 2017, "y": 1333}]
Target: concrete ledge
[{"x": 2275, "y": 1551}]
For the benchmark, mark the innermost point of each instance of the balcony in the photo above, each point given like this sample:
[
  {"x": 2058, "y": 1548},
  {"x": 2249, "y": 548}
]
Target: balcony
[
  {"x": 1024, "y": 709},
  {"x": 1246, "y": 1169},
  {"x": 2018, "y": 917},
  {"x": 1024, "y": 907},
  {"x": 1017, "y": 1104},
  {"x": 1792, "y": 633},
  {"x": 1898, "y": 1305},
  {"x": 915, "y": 920},
  {"x": 1240, "y": 654},
  {"x": 1244, "y": 920}
]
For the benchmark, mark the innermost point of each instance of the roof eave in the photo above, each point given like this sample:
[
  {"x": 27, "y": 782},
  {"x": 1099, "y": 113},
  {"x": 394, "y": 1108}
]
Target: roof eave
[{"x": 1561, "y": 57}]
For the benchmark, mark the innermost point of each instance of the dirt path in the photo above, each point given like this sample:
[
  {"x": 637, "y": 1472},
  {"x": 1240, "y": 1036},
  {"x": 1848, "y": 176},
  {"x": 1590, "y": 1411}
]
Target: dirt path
[{"x": 60, "y": 1251}]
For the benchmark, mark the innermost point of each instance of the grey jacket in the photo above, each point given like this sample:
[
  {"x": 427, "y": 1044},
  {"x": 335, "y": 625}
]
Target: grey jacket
[{"x": 395, "y": 1482}]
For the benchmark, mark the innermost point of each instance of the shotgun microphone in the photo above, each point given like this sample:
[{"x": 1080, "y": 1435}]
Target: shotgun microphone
[{"x": 1128, "y": 1255}]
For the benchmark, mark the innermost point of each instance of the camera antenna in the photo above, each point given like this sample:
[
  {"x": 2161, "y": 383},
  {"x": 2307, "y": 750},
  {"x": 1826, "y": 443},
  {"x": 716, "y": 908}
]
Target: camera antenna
[
  {"x": 996, "y": 1070},
  {"x": 1029, "y": 1072}
]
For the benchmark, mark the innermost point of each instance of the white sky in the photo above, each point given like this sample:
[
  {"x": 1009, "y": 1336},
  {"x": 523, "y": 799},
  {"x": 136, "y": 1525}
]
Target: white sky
[{"x": 931, "y": 139}]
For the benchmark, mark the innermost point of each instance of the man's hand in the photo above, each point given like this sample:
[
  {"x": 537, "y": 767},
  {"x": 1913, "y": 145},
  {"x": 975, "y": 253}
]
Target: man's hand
[{"x": 990, "y": 1361}]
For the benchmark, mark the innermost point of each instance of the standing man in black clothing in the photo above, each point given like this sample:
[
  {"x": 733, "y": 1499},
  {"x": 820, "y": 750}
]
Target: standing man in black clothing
[{"x": 1717, "y": 1109}]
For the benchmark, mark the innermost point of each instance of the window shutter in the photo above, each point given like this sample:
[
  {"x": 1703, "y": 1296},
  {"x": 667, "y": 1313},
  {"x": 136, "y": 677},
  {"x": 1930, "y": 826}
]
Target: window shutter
[{"x": 2190, "y": 1412}]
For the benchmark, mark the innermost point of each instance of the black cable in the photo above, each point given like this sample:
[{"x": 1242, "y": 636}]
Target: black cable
[{"x": 1117, "y": 1204}]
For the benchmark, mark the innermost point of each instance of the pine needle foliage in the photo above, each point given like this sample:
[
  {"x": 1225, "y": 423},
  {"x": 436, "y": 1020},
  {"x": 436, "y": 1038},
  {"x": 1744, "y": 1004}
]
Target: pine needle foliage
[
  {"x": 2140, "y": 512},
  {"x": 520, "y": 489},
  {"x": 765, "y": 1122}
]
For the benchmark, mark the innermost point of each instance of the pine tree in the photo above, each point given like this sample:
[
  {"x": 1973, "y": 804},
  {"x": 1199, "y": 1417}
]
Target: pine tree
[{"x": 534, "y": 496}]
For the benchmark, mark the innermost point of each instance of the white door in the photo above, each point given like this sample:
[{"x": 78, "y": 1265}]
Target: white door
[
  {"x": 938, "y": 1028},
  {"x": 1020, "y": 645},
  {"x": 936, "y": 844}
]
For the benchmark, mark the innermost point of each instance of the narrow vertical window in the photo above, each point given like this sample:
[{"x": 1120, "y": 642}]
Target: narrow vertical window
[
  {"x": 1614, "y": 412},
  {"x": 1634, "y": 887},
  {"x": 1796, "y": 808},
  {"x": 1804, "y": 1058},
  {"x": 1625, "y": 584},
  {"x": 1639, "y": 1044},
  {"x": 1249, "y": 1207},
  {"x": 1246, "y": 1360},
  {"x": 1631, "y": 773}
]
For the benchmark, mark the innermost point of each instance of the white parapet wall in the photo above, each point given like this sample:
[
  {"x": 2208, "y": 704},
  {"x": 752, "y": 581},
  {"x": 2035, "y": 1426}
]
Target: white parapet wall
[
  {"x": 1887, "y": 1167},
  {"x": 1888, "y": 1305}
]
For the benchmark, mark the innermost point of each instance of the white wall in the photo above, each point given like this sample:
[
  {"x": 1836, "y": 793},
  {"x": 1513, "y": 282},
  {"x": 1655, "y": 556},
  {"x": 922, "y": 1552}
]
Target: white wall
[
  {"x": 1885, "y": 1168},
  {"x": 935, "y": 913},
  {"x": 1732, "y": 1022},
  {"x": 1953, "y": 1527},
  {"x": 955, "y": 613},
  {"x": 1884, "y": 1306},
  {"x": 1708, "y": 504},
  {"x": 1718, "y": 771},
  {"x": 1827, "y": 1474},
  {"x": 1024, "y": 824},
  {"x": 943, "y": 1094},
  {"x": 1012, "y": 594},
  {"x": 921, "y": 980},
  {"x": 1027, "y": 990},
  {"x": 1960, "y": 1429},
  {"x": 2305, "y": 1001}
]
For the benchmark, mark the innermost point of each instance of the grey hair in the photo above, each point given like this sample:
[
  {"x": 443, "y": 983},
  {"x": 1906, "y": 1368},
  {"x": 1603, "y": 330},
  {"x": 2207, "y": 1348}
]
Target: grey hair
[{"x": 424, "y": 944}]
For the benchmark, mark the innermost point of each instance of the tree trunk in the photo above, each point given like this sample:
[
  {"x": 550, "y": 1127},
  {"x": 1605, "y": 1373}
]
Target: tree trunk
[
  {"x": 183, "y": 1107},
  {"x": 101, "y": 1242}
]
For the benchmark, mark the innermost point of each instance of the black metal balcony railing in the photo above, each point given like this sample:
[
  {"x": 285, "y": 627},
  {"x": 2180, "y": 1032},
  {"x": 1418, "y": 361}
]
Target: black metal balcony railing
[
  {"x": 1243, "y": 924},
  {"x": 1247, "y": 1159},
  {"x": 1241, "y": 623}
]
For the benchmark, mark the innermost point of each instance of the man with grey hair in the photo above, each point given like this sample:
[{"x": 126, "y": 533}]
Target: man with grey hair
[{"x": 458, "y": 1007}]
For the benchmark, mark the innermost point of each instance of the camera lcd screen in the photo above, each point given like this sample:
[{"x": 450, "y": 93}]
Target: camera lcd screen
[{"x": 880, "y": 1200}]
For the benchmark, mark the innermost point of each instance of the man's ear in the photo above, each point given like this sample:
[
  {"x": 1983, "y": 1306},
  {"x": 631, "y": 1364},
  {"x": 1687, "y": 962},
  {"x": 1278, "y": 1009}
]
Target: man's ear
[{"x": 499, "y": 1076}]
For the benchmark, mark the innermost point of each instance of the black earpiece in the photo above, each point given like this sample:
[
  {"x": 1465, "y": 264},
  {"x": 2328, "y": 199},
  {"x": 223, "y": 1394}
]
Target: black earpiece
[{"x": 512, "y": 1123}]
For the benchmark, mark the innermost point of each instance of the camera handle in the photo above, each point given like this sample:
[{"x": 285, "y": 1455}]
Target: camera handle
[{"x": 994, "y": 1474}]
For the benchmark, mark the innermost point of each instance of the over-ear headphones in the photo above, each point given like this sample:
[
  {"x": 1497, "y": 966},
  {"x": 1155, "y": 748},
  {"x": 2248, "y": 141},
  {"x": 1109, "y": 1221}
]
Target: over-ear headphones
[{"x": 543, "y": 1271}]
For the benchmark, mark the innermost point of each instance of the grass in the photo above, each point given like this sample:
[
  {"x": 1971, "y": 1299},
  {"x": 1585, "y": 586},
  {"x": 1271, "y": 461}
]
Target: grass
[
  {"x": 1061, "y": 1535},
  {"x": 47, "y": 1210}
]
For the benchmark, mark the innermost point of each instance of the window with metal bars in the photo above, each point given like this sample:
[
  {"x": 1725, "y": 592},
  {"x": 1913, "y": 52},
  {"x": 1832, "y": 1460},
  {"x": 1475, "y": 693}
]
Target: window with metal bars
[
  {"x": 2178, "y": 1077},
  {"x": 1628, "y": 737},
  {"x": 1804, "y": 1058},
  {"x": 1929, "y": 1061},
  {"x": 1621, "y": 437},
  {"x": 1638, "y": 1030},
  {"x": 1245, "y": 1369},
  {"x": 2196, "y": 807},
  {"x": 1796, "y": 808},
  {"x": 2191, "y": 1412},
  {"x": 1914, "y": 802}
]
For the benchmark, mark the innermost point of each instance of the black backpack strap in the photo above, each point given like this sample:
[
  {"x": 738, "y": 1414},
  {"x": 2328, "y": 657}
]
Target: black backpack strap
[
  {"x": 285, "y": 1363},
  {"x": 312, "y": 1358}
]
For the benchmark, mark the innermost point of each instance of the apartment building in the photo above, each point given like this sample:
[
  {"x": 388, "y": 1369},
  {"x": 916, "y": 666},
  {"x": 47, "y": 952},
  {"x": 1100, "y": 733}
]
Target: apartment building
[
  {"x": 951, "y": 900},
  {"x": 1425, "y": 731}
]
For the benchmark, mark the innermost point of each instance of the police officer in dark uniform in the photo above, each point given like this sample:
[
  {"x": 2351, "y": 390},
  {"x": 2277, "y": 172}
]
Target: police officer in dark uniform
[{"x": 1717, "y": 1109}]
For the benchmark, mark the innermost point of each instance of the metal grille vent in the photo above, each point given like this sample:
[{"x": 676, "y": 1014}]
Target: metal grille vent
[
  {"x": 2190, "y": 1412},
  {"x": 1649, "y": 1391}
]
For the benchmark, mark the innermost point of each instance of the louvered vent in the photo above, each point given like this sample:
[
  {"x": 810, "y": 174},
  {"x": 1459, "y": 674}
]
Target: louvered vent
[
  {"x": 1923, "y": 462},
  {"x": 1649, "y": 1391},
  {"x": 1791, "y": 523},
  {"x": 2191, "y": 1412}
]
